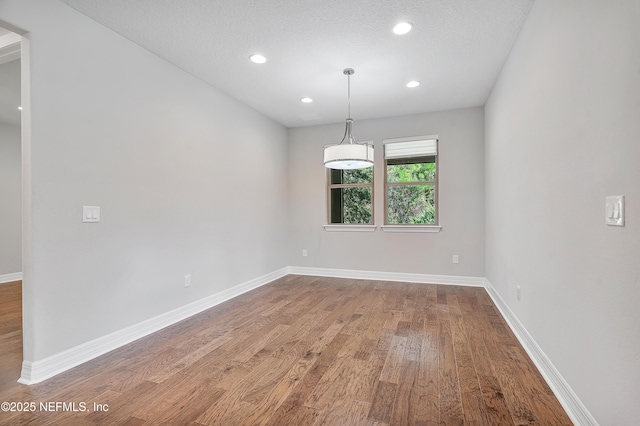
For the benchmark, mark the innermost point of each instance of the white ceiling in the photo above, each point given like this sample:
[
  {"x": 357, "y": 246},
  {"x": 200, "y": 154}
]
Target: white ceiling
[{"x": 456, "y": 49}]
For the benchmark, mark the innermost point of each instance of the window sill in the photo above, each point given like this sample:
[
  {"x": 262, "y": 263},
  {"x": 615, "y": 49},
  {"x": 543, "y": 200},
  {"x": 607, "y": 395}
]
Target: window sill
[
  {"x": 350, "y": 228},
  {"x": 411, "y": 228}
]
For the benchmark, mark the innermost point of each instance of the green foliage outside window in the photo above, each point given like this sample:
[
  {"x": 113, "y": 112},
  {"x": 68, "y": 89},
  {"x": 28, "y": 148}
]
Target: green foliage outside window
[
  {"x": 412, "y": 202},
  {"x": 420, "y": 172},
  {"x": 356, "y": 205},
  {"x": 352, "y": 205},
  {"x": 352, "y": 176}
]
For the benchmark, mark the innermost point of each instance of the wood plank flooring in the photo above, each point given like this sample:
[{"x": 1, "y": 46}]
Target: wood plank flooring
[
  {"x": 10, "y": 333},
  {"x": 303, "y": 351}
]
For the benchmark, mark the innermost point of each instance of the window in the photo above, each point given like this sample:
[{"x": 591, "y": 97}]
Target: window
[
  {"x": 411, "y": 181},
  {"x": 350, "y": 196}
]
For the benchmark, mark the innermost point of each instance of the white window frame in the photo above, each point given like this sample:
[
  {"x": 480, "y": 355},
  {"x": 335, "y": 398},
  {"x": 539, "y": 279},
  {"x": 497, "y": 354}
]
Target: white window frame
[{"x": 412, "y": 150}]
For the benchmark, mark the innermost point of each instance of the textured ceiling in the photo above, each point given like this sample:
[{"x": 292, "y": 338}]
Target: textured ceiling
[{"x": 456, "y": 49}]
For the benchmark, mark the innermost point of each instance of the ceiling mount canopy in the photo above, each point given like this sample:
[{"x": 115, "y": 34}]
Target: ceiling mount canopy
[{"x": 348, "y": 154}]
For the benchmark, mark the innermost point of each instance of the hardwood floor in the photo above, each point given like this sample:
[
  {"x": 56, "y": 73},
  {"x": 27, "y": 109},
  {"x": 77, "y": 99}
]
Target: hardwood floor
[
  {"x": 302, "y": 351},
  {"x": 10, "y": 333}
]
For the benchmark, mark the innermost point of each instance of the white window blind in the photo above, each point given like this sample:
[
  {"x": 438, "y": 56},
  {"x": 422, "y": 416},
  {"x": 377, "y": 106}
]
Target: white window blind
[{"x": 410, "y": 147}]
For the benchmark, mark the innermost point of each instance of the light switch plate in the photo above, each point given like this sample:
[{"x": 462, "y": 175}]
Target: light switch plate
[
  {"x": 90, "y": 214},
  {"x": 614, "y": 210}
]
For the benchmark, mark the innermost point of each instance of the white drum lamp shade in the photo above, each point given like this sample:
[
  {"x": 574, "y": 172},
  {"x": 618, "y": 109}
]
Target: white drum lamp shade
[{"x": 348, "y": 156}]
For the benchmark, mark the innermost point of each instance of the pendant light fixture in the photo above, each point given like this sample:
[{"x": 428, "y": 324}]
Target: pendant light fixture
[{"x": 348, "y": 154}]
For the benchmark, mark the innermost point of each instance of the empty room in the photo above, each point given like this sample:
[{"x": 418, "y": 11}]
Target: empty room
[{"x": 295, "y": 212}]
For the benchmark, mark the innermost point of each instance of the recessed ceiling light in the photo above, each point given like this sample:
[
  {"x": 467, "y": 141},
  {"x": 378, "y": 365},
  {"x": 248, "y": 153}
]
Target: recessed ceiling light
[
  {"x": 20, "y": 108},
  {"x": 413, "y": 83},
  {"x": 306, "y": 100},
  {"x": 402, "y": 28},
  {"x": 258, "y": 59}
]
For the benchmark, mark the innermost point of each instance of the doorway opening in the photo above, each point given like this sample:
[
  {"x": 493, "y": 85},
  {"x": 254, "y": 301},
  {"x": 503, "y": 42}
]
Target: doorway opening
[{"x": 11, "y": 338}]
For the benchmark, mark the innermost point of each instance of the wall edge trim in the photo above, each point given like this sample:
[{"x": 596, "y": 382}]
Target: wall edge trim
[
  {"x": 574, "y": 407},
  {"x": 37, "y": 371},
  {"x": 7, "y": 278},
  {"x": 389, "y": 276}
]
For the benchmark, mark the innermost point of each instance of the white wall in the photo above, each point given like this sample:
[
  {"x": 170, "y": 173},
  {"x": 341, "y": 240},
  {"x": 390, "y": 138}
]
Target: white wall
[
  {"x": 189, "y": 180},
  {"x": 10, "y": 200},
  {"x": 562, "y": 134},
  {"x": 461, "y": 211}
]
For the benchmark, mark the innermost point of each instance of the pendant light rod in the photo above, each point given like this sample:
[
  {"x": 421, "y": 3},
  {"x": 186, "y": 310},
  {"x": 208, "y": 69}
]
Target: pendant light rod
[
  {"x": 348, "y": 72},
  {"x": 347, "y": 131}
]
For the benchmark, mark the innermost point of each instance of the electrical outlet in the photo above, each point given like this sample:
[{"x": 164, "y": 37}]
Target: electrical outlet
[
  {"x": 304, "y": 252},
  {"x": 518, "y": 292},
  {"x": 455, "y": 259},
  {"x": 187, "y": 280}
]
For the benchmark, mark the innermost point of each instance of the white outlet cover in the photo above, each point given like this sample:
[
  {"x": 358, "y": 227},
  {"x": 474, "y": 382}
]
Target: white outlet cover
[{"x": 614, "y": 210}]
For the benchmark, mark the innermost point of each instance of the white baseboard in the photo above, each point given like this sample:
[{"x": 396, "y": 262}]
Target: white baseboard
[
  {"x": 35, "y": 372},
  {"x": 7, "y": 278},
  {"x": 390, "y": 276},
  {"x": 575, "y": 409}
]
